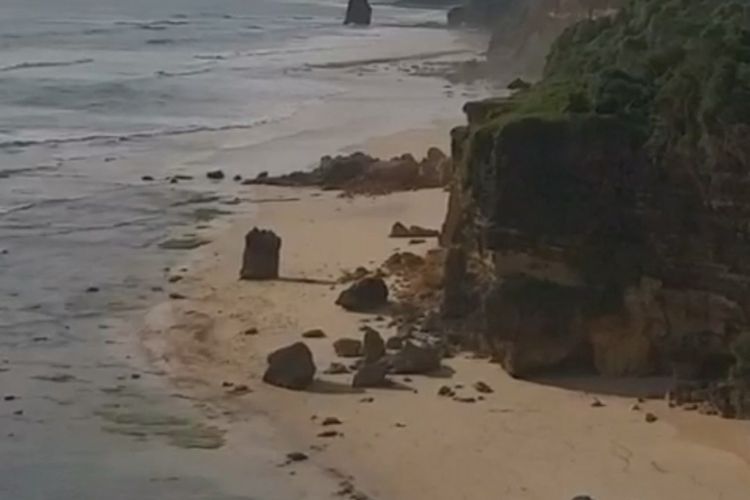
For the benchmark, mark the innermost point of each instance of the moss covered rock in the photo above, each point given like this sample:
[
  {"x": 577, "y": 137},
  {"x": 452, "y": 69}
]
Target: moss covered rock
[{"x": 627, "y": 163}]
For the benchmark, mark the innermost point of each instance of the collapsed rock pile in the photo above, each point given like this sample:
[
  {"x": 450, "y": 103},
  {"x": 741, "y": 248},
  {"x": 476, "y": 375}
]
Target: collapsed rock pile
[{"x": 360, "y": 173}]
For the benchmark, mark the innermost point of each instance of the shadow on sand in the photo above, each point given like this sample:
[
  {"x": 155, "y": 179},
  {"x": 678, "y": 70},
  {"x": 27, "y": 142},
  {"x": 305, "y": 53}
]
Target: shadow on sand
[{"x": 631, "y": 387}]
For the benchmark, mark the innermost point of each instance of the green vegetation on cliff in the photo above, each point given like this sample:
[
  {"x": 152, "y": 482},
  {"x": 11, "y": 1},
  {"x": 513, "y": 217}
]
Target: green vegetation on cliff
[
  {"x": 626, "y": 168},
  {"x": 679, "y": 70}
]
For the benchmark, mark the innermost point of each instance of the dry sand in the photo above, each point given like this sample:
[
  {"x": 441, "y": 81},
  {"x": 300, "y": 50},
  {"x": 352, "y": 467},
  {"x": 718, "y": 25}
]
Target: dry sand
[{"x": 525, "y": 441}]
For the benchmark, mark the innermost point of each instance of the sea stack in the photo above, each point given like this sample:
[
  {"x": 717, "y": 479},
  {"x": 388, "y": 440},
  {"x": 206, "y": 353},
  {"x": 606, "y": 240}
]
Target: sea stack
[
  {"x": 260, "y": 260},
  {"x": 358, "y": 12}
]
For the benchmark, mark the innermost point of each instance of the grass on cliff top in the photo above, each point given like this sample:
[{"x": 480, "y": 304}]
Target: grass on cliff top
[{"x": 679, "y": 70}]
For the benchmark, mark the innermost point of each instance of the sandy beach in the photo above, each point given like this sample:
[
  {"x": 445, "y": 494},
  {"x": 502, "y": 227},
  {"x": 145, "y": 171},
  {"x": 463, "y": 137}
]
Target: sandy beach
[{"x": 526, "y": 440}]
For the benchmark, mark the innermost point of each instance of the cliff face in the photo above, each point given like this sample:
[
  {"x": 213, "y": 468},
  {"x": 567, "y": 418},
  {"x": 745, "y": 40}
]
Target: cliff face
[{"x": 603, "y": 213}]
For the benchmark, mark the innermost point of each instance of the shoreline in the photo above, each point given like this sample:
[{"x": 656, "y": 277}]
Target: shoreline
[
  {"x": 87, "y": 395},
  {"x": 395, "y": 446}
]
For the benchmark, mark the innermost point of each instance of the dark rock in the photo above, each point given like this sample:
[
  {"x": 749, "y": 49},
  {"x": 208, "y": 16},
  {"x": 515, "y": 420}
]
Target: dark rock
[
  {"x": 483, "y": 388},
  {"x": 519, "y": 84},
  {"x": 291, "y": 367},
  {"x": 251, "y": 331},
  {"x": 394, "y": 343},
  {"x": 596, "y": 403},
  {"x": 373, "y": 346},
  {"x": 368, "y": 399},
  {"x": 174, "y": 279},
  {"x": 147, "y": 178},
  {"x": 358, "y": 12},
  {"x": 399, "y": 230},
  {"x": 336, "y": 369},
  {"x": 365, "y": 295},
  {"x": 371, "y": 375},
  {"x": 328, "y": 434},
  {"x": 330, "y": 421},
  {"x": 582, "y": 497},
  {"x": 464, "y": 399},
  {"x": 260, "y": 260},
  {"x": 9, "y": 398},
  {"x": 92, "y": 289},
  {"x": 446, "y": 391},
  {"x": 650, "y": 418},
  {"x": 415, "y": 359},
  {"x": 347, "y": 347},
  {"x": 237, "y": 178},
  {"x": 177, "y": 296},
  {"x": 238, "y": 390},
  {"x": 215, "y": 175},
  {"x": 296, "y": 456},
  {"x": 314, "y": 334},
  {"x": 332, "y": 173}
]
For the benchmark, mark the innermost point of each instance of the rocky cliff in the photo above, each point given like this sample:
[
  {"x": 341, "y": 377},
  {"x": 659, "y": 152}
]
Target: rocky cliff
[{"x": 600, "y": 219}]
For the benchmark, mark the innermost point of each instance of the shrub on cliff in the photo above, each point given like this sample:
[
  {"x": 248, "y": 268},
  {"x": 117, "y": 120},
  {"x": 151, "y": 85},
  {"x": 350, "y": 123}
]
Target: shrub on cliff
[{"x": 678, "y": 68}]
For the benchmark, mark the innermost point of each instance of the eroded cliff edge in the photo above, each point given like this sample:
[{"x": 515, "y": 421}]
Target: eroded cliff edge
[{"x": 600, "y": 219}]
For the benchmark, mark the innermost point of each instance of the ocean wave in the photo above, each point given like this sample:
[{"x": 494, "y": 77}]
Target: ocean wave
[
  {"x": 161, "y": 41},
  {"x": 153, "y": 24},
  {"x": 210, "y": 57},
  {"x": 134, "y": 136},
  {"x": 167, "y": 74},
  {"x": 44, "y": 64},
  {"x": 6, "y": 173}
]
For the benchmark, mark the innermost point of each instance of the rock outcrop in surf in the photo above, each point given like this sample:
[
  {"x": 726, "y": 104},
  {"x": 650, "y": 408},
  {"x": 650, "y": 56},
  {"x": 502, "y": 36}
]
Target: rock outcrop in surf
[{"x": 358, "y": 12}]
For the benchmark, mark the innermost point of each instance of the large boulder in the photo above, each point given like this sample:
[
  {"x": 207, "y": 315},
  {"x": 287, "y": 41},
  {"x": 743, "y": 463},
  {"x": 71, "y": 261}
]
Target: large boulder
[
  {"x": 373, "y": 346},
  {"x": 415, "y": 359},
  {"x": 291, "y": 367},
  {"x": 348, "y": 348},
  {"x": 367, "y": 294},
  {"x": 372, "y": 375},
  {"x": 358, "y": 12},
  {"x": 260, "y": 260}
]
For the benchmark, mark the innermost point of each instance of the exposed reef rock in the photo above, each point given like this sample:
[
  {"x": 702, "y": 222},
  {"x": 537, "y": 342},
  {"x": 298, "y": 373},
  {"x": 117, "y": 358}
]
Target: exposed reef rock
[
  {"x": 359, "y": 173},
  {"x": 358, "y": 12},
  {"x": 600, "y": 217}
]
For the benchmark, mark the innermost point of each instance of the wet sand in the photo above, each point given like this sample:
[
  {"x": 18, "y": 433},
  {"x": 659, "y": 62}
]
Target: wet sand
[{"x": 526, "y": 440}]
